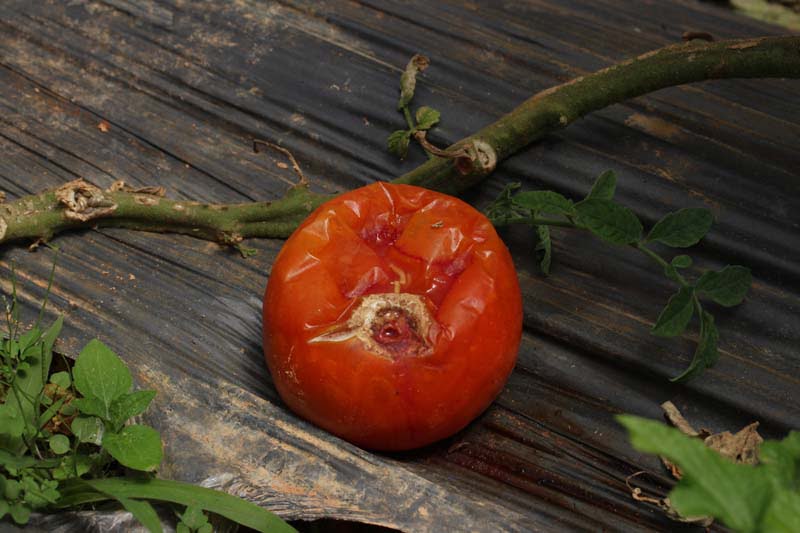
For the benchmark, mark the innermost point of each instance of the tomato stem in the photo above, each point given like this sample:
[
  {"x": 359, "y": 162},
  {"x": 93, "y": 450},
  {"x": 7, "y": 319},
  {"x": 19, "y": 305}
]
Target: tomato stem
[{"x": 79, "y": 204}]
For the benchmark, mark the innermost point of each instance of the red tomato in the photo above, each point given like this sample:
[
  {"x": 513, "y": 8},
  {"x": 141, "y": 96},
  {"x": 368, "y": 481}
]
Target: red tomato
[{"x": 392, "y": 316}]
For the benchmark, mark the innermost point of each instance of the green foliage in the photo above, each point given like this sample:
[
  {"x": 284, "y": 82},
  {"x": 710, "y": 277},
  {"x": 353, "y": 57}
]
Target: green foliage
[
  {"x": 78, "y": 492},
  {"x": 604, "y": 186},
  {"x": 706, "y": 353},
  {"x": 746, "y": 498},
  {"x": 60, "y": 431},
  {"x": 427, "y": 118},
  {"x": 616, "y": 224},
  {"x": 676, "y": 315},
  {"x": 398, "y": 142},
  {"x": 135, "y": 446},
  {"x": 683, "y": 228},
  {"x": 611, "y": 222},
  {"x": 545, "y": 247},
  {"x": 545, "y": 202},
  {"x": 193, "y": 520},
  {"x": 424, "y": 119},
  {"x": 100, "y": 376},
  {"x": 726, "y": 287},
  {"x": 408, "y": 80}
]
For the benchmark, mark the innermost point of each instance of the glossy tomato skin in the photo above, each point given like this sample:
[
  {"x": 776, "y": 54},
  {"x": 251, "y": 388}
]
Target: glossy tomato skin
[{"x": 412, "y": 380}]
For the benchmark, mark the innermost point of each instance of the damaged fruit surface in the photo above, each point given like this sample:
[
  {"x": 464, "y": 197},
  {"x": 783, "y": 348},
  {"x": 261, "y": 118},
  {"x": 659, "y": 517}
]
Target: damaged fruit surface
[{"x": 392, "y": 316}]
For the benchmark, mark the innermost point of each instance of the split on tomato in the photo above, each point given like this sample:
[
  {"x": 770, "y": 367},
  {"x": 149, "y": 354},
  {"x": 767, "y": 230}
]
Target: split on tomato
[{"x": 392, "y": 316}]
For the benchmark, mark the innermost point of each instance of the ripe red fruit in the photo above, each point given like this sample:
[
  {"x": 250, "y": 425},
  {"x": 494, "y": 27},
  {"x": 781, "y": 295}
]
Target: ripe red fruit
[{"x": 392, "y": 316}]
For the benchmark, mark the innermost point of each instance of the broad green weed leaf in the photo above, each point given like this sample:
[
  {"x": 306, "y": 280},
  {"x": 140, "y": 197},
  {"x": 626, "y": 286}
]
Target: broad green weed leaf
[
  {"x": 611, "y": 222},
  {"x": 20, "y": 513},
  {"x": 130, "y": 405},
  {"x": 745, "y": 498},
  {"x": 39, "y": 493},
  {"x": 727, "y": 287},
  {"x": 92, "y": 406},
  {"x": 193, "y": 517},
  {"x": 61, "y": 379},
  {"x": 59, "y": 444},
  {"x": 88, "y": 429},
  {"x": 783, "y": 513},
  {"x": 143, "y": 512},
  {"x": 137, "y": 447},
  {"x": 9, "y": 460},
  {"x": 100, "y": 373},
  {"x": 11, "y": 421}
]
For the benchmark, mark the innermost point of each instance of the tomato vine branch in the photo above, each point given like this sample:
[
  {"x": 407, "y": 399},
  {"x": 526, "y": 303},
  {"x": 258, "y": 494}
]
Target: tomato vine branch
[
  {"x": 79, "y": 204},
  {"x": 616, "y": 224}
]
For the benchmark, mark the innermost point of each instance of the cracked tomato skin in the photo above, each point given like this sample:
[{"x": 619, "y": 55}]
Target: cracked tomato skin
[{"x": 392, "y": 316}]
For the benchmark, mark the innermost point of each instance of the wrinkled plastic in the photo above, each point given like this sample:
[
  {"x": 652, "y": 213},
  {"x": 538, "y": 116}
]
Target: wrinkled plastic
[{"x": 381, "y": 239}]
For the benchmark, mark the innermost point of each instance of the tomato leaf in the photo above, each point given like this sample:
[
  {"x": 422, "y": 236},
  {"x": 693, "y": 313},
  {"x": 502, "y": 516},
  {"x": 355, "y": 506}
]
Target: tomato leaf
[
  {"x": 676, "y": 314},
  {"x": 398, "y": 143},
  {"x": 727, "y": 287},
  {"x": 427, "y": 117},
  {"x": 706, "y": 354},
  {"x": 408, "y": 80},
  {"x": 604, "y": 187},
  {"x": 545, "y": 202},
  {"x": 611, "y": 222},
  {"x": 681, "y": 261},
  {"x": 544, "y": 245},
  {"x": 136, "y": 446},
  {"x": 682, "y": 228}
]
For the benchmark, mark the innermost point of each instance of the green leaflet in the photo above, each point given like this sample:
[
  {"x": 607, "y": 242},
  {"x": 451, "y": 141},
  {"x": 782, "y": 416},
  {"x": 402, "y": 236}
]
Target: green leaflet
[
  {"x": 676, "y": 315},
  {"x": 100, "y": 374},
  {"x": 611, "y": 222},
  {"x": 398, "y": 143},
  {"x": 681, "y": 261},
  {"x": 408, "y": 80},
  {"x": 427, "y": 118},
  {"x": 706, "y": 354},
  {"x": 545, "y": 246},
  {"x": 727, "y": 287},
  {"x": 604, "y": 186},
  {"x": 135, "y": 446},
  {"x": 683, "y": 228},
  {"x": 544, "y": 202},
  {"x": 745, "y": 498}
]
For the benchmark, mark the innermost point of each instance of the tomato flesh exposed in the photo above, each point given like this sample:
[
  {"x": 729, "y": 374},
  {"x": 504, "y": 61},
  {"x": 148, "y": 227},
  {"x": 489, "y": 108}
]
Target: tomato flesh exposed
[{"x": 392, "y": 316}]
